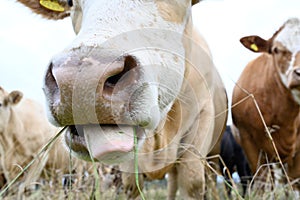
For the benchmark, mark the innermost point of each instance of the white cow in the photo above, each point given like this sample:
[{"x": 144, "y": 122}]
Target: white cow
[{"x": 136, "y": 68}]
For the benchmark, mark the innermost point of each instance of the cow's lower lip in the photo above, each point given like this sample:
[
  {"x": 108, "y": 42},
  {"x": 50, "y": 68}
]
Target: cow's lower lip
[{"x": 104, "y": 143}]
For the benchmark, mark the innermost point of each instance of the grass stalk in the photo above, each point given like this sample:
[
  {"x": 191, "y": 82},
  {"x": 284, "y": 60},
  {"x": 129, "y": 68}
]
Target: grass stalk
[
  {"x": 44, "y": 149},
  {"x": 136, "y": 164}
]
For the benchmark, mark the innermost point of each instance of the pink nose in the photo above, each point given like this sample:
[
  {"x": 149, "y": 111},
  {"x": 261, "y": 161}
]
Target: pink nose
[{"x": 80, "y": 85}]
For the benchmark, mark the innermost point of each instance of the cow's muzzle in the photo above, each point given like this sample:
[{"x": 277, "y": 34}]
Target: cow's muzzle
[
  {"x": 90, "y": 86},
  {"x": 99, "y": 95},
  {"x": 294, "y": 78}
]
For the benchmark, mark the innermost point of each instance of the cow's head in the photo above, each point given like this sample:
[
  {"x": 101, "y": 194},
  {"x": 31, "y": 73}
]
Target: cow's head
[
  {"x": 7, "y": 101},
  {"x": 124, "y": 70},
  {"x": 284, "y": 47}
]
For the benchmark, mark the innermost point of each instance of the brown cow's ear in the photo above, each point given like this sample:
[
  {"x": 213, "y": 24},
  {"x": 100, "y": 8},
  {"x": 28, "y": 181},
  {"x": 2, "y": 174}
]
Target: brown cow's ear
[
  {"x": 255, "y": 43},
  {"x": 195, "y": 1},
  {"x": 50, "y": 9},
  {"x": 14, "y": 97}
]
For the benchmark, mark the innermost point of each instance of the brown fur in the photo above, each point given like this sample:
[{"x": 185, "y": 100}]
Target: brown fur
[
  {"x": 36, "y": 7},
  {"x": 195, "y": 1}
]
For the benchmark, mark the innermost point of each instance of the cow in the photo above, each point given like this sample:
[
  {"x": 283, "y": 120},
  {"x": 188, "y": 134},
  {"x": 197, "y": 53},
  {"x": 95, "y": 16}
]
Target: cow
[
  {"x": 273, "y": 80},
  {"x": 136, "y": 87},
  {"x": 24, "y": 130},
  {"x": 234, "y": 159}
]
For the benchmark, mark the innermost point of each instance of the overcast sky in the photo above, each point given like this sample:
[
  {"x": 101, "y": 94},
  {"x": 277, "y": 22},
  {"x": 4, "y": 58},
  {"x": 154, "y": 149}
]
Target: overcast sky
[{"x": 27, "y": 42}]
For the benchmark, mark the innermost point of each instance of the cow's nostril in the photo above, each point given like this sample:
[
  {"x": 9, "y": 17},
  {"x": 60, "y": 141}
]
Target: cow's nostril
[
  {"x": 51, "y": 88},
  {"x": 297, "y": 72},
  {"x": 129, "y": 64},
  {"x": 112, "y": 81}
]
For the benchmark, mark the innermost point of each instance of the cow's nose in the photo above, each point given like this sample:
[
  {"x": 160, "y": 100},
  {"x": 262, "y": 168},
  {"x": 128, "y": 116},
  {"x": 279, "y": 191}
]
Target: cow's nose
[
  {"x": 296, "y": 71},
  {"x": 77, "y": 80}
]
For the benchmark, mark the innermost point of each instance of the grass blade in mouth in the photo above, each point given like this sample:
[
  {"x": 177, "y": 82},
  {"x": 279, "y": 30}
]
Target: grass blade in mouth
[
  {"x": 136, "y": 166},
  {"x": 44, "y": 149},
  {"x": 96, "y": 194}
]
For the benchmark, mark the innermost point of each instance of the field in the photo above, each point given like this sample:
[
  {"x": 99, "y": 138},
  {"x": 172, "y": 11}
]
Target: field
[
  {"x": 91, "y": 186},
  {"x": 96, "y": 182}
]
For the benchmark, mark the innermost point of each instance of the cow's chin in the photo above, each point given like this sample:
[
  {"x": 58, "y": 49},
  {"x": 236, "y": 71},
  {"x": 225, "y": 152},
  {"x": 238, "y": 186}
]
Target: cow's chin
[{"x": 110, "y": 144}]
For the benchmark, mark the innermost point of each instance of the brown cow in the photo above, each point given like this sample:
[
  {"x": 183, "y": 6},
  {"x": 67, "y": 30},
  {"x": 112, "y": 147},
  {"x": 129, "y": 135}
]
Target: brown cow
[
  {"x": 274, "y": 80},
  {"x": 136, "y": 68},
  {"x": 24, "y": 130}
]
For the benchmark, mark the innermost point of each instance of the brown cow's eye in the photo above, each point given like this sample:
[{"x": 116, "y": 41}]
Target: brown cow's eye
[
  {"x": 275, "y": 50},
  {"x": 70, "y": 3}
]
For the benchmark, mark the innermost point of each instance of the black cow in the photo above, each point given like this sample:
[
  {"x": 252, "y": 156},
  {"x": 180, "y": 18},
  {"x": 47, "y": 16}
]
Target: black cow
[{"x": 235, "y": 160}]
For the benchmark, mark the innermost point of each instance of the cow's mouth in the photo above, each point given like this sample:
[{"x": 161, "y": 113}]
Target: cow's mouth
[{"x": 103, "y": 143}]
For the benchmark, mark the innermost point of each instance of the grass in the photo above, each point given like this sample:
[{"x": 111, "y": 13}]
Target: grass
[
  {"x": 88, "y": 186},
  {"x": 84, "y": 187},
  {"x": 136, "y": 167}
]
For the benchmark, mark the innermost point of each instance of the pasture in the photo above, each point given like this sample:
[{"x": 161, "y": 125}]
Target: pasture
[
  {"x": 93, "y": 186},
  {"x": 86, "y": 189}
]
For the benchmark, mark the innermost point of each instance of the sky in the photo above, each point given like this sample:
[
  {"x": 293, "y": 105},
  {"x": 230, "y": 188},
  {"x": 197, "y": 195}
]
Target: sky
[{"x": 27, "y": 42}]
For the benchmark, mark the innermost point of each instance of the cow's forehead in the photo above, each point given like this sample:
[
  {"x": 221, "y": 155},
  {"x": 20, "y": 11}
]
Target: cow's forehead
[
  {"x": 289, "y": 35},
  {"x": 174, "y": 3},
  {"x": 107, "y": 19},
  {"x": 170, "y": 10}
]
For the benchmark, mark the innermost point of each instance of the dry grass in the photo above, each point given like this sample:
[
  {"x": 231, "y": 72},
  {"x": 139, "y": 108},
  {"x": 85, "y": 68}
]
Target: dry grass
[
  {"x": 84, "y": 187},
  {"x": 88, "y": 186}
]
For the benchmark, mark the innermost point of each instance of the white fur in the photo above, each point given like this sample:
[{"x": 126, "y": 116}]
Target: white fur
[{"x": 289, "y": 37}]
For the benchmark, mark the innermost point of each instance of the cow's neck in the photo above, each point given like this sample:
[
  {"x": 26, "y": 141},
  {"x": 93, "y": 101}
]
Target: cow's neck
[
  {"x": 283, "y": 94},
  {"x": 169, "y": 133},
  {"x": 283, "y": 114}
]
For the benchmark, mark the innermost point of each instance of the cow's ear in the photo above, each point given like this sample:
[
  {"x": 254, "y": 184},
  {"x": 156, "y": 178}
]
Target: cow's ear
[
  {"x": 14, "y": 97},
  {"x": 50, "y": 9},
  {"x": 195, "y": 1},
  {"x": 256, "y": 43}
]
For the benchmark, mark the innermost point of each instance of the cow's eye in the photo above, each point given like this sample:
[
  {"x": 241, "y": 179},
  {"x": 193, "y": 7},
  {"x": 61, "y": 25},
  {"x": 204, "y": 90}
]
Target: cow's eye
[
  {"x": 0, "y": 104},
  {"x": 70, "y": 3},
  {"x": 276, "y": 50}
]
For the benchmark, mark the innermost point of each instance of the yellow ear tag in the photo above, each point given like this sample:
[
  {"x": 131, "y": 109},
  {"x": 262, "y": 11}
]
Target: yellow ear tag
[
  {"x": 254, "y": 47},
  {"x": 52, "y": 5}
]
